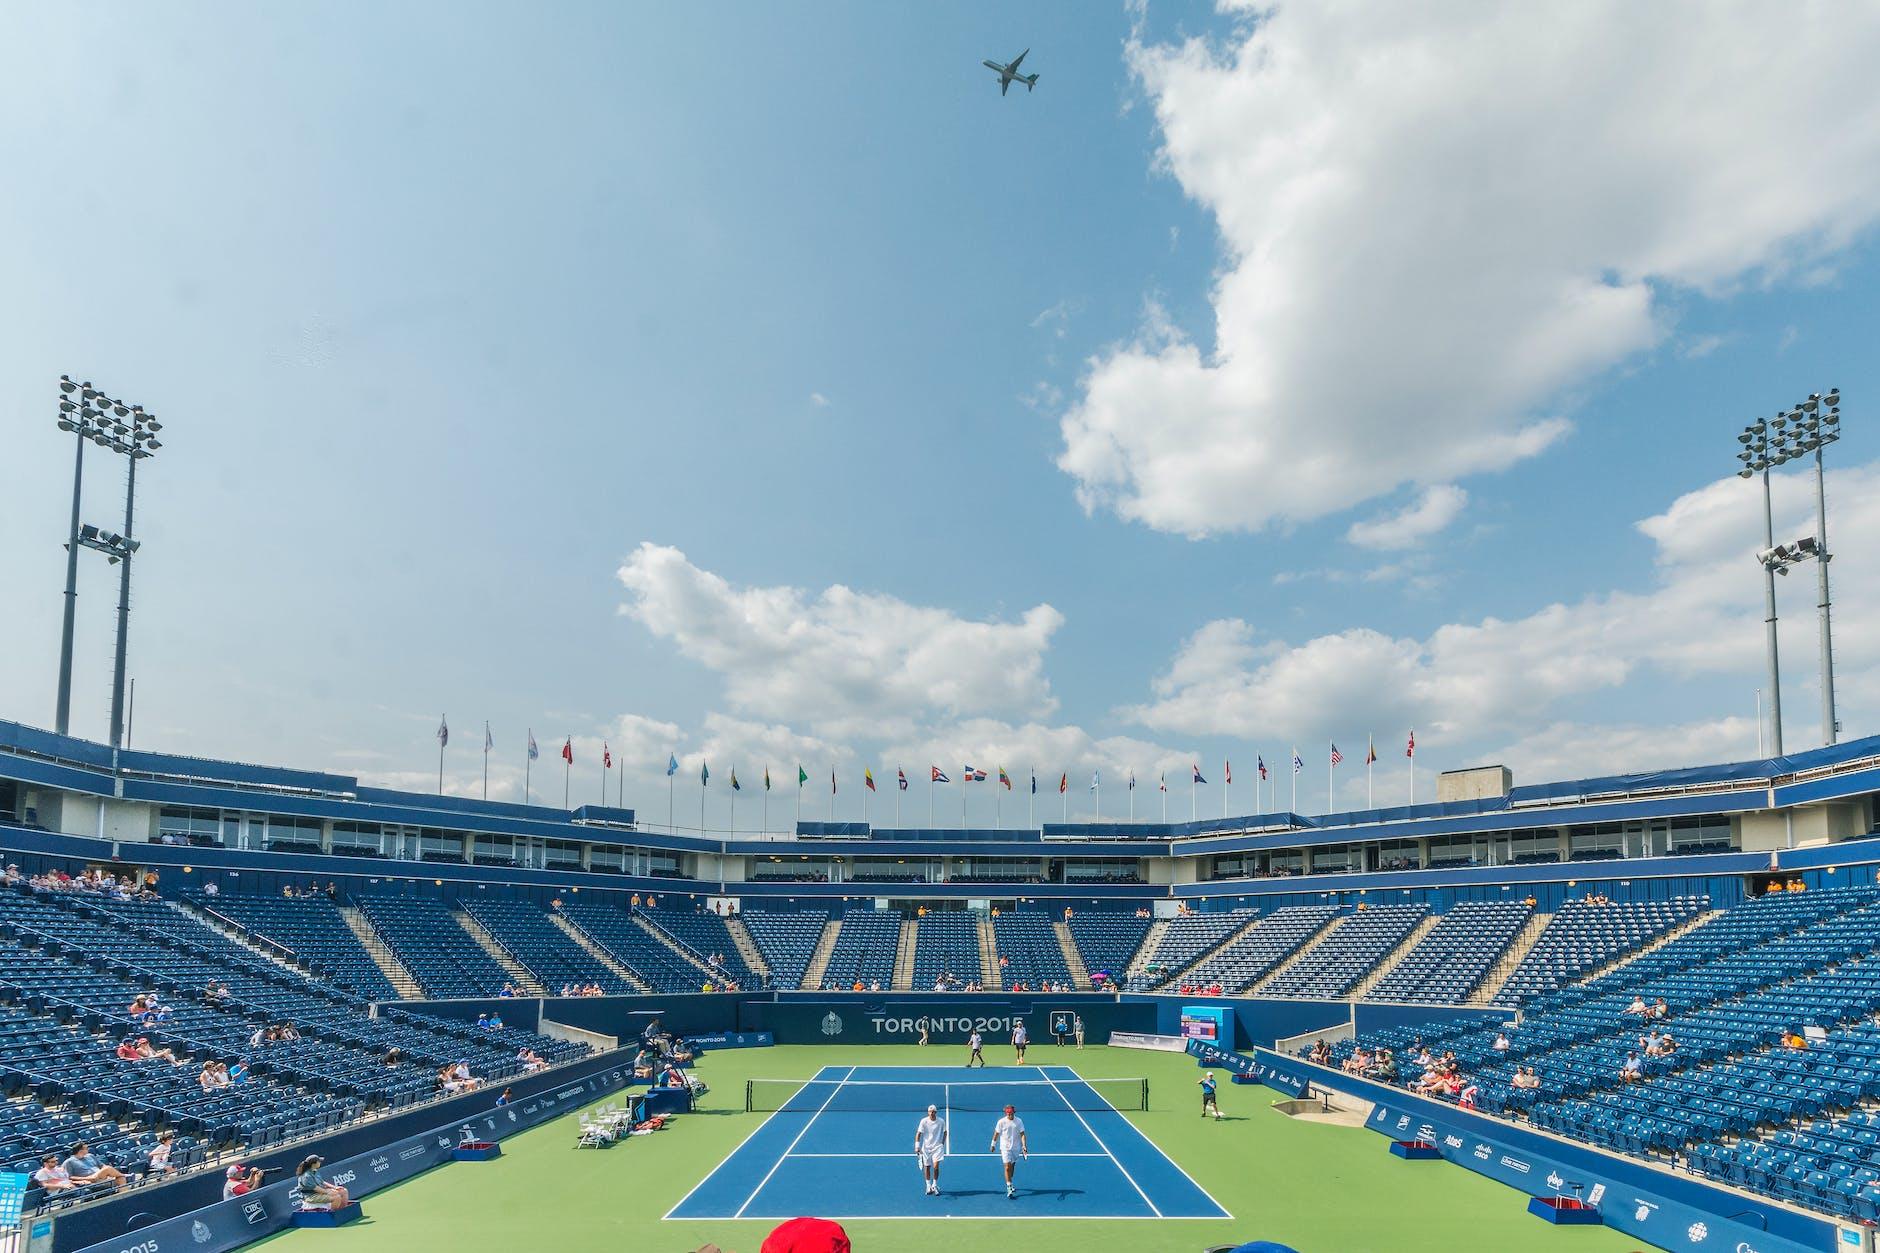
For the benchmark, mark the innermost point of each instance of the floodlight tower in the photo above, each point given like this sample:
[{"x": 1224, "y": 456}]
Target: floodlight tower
[
  {"x": 119, "y": 428},
  {"x": 1756, "y": 456}
]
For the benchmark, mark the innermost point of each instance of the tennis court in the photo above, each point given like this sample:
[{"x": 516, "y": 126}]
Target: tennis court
[{"x": 841, "y": 1145}]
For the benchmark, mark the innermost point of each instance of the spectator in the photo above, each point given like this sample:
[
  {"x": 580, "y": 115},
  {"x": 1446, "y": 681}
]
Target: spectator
[
  {"x": 509, "y": 990},
  {"x": 315, "y": 1192},
  {"x": 84, "y": 1168},
  {"x": 1322, "y": 1054},
  {"x": 643, "y": 1064},
  {"x": 127, "y": 1050},
  {"x": 1659, "y": 1008},
  {"x": 1501, "y": 1042},
  {"x": 496, "y": 1022},
  {"x": 504, "y": 1099},
  {"x": 1633, "y": 1070},
  {"x": 51, "y": 1176},
  {"x": 238, "y": 1073},
  {"x": 240, "y": 1181},
  {"x": 160, "y": 1154},
  {"x": 146, "y": 1052},
  {"x": 1638, "y": 1007}
]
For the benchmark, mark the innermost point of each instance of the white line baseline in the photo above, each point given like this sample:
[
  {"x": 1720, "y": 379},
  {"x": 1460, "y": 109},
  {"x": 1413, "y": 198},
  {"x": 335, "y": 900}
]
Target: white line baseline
[
  {"x": 949, "y": 1156},
  {"x": 786, "y": 1152},
  {"x": 1100, "y": 1144},
  {"x": 1164, "y": 1155}
]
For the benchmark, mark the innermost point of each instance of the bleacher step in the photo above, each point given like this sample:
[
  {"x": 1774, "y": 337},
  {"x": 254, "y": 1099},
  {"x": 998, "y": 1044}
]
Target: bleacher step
[
  {"x": 525, "y": 982},
  {"x": 674, "y": 943},
  {"x": 989, "y": 977},
  {"x": 1073, "y": 960},
  {"x": 401, "y": 979},
  {"x": 746, "y": 946},
  {"x": 598, "y": 953},
  {"x": 1319, "y": 937},
  {"x": 819, "y": 956},
  {"x": 1510, "y": 961},
  {"x": 1395, "y": 956},
  {"x": 1145, "y": 954},
  {"x": 228, "y": 930},
  {"x": 904, "y": 956}
]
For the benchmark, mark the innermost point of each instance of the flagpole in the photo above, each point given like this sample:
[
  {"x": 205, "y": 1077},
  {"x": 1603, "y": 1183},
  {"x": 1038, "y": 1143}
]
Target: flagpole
[
  {"x": 898, "y": 789},
  {"x": 966, "y": 782},
  {"x": 1162, "y": 783},
  {"x": 1292, "y": 764},
  {"x": 734, "y": 802},
  {"x": 567, "y": 779},
  {"x": 1412, "y": 756},
  {"x": 933, "y": 789},
  {"x": 864, "y": 798},
  {"x": 526, "y": 763},
  {"x": 1132, "y": 798},
  {"x": 1330, "y": 769},
  {"x": 1194, "y": 797},
  {"x": 702, "y": 782},
  {"x": 669, "y": 818},
  {"x": 832, "y": 791},
  {"x": 998, "y": 808},
  {"x": 443, "y": 738},
  {"x": 486, "y": 761},
  {"x": 1370, "y": 755},
  {"x": 766, "y": 830},
  {"x": 1064, "y": 799},
  {"x": 1096, "y": 785}
]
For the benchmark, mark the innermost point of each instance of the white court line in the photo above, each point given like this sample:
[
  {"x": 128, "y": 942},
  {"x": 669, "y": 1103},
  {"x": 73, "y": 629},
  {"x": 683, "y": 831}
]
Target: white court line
[
  {"x": 950, "y": 1156},
  {"x": 1158, "y": 1148},
  {"x": 799, "y": 1139},
  {"x": 1100, "y": 1144},
  {"x": 727, "y": 1160}
]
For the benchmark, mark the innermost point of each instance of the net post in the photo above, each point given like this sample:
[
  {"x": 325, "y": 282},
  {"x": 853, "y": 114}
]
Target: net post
[{"x": 749, "y": 1087}]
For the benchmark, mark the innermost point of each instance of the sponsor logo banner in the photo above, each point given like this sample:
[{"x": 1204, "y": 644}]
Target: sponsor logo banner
[{"x": 733, "y": 1040}]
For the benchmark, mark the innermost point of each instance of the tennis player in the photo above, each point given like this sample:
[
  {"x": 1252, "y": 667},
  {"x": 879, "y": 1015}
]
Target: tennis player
[
  {"x": 975, "y": 1042},
  {"x": 1008, "y": 1137},
  {"x": 1019, "y": 1040},
  {"x": 930, "y": 1147},
  {"x": 1207, "y": 1096}
]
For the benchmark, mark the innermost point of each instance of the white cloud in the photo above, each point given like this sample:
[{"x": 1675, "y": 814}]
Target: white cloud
[
  {"x": 819, "y": 400},
  {"x": 1474, "y": 685},
  {"x": 1567, "y": 750},
  {"x": 1428, "y": 514},
  {"x": 1421, "y": 277},
  {"x": 838, "y": 660}
]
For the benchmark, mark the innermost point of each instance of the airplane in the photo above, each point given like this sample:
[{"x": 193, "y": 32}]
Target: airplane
[{"x": 1008, "y": 73}]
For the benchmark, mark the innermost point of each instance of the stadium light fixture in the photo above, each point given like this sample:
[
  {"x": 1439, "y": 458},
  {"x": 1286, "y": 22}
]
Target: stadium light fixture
[
  {"x": 111, "y": 424},
  {"x": 1757, "y": 458}
]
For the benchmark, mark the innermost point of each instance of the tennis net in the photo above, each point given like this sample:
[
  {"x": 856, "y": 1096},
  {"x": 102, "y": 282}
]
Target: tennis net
[{"x": 1036, "y": 1095}]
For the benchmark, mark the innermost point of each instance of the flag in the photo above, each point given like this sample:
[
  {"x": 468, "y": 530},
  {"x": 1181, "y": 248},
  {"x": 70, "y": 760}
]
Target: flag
[
  {"x": 868, "y": 778},
  {"x": 939, "y": 775},
  {"x": 534, "y": 752},
  {"x": 1064, "y": 783},
  {"x": 488, "y": 743},
  {"x": 734, "y": 780},
  {"x": 1096, "y": 779},
  {"x": 1336, "y": 755},
  {"x": 900, "y": 778},
  {"x": 1298, "y": 765},
  {"x": 567, "y": 750},
  {"x": 607, "y": 756},
  {"x": 766, "y": 778},
  {"x": 1132, "y": 780},
  {"x": 1196, "y": 767},
  {"x": 802, "y": 776},
  {"x": 1162, "y": 782},
  {"x": 1034, "y": 783},
  {"x": 704, "y": 775},
  {"x": 1410, "y": 749},
  {"x": 443, "y": 732},
  {"x": 672, "y": 765},
  {"x": 1370, "y": 750},
  {"x": 1228, "y": 776},
  {"x": 1005, "y": 778},
  {"x": 970, "y": 775},
  {"x": 832, "y": 780},
  {"x": 1262, "y": 761}
]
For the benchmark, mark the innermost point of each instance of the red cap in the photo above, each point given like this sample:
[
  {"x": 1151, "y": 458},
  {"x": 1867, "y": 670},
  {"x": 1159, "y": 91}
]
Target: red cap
[
  {"x": 1010, "y": 1109},
  {"x": 807, "y": 1235}
]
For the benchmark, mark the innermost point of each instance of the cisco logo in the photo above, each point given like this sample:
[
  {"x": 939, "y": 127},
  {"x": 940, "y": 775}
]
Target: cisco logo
[
  {"x": 382, "y": 1164},
  {"x": 832, "y": 1023}
]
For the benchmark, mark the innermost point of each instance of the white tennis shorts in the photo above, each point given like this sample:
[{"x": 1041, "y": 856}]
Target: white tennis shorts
[
  {"x": 932, "y": 1157},
  {"x": 1008, "y": 1155}
]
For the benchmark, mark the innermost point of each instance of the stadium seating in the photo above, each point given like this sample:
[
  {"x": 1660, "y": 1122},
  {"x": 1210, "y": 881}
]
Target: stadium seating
[
  {"x": 946, "y": 943},
  {"x": 311, "y": 928},
  {"x": 1028, "y": 950},
  {"x": 864, "y": 949},
  {"x": 1107, "y": 942},
  {"x": 786, "y": 940},
  {"x": 1260, "y": 951},
  {"x": 530, "y": 936},
  {"x": 428, "y": 941},
  {"x": 1585, "y": 935},
  {"x": 1457, "y": 954},
  {"x": 706, "y": 936},
  {"x": 1188, "y": 937},
  {"x": 656, "y": 963},
  {"x": 1340, "y": 962}
]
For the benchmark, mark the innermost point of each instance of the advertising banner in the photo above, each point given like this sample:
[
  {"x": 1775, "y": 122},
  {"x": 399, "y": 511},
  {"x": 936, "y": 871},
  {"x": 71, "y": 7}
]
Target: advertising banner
[
  {"x": 947, "y": 1021},
  {"x": 1629, "y": 1198},
  {"x": 732, "y": 1040},
  {"x": 231, "y": 1224}
]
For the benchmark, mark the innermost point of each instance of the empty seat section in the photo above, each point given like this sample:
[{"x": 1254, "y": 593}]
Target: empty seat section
[
  {"x": 1189, "y": 936},
  {"x": 946, "y": 944},
  {"x": 428, "y": 941},
  {"x": 1260, "y": 950},
  {"x": 1342, "y": 960},
  {"x": 312, "y": 929},
  {"x": 1029, "y": 951},
  {"x": 864, "y": 949},
  {"x": 786, "y": 940},
  {"x": 1107, "y": 942},
  {"x": 660, "y": 966},
  {"x": 1456, "y": 955},
  {"x": 1585, "y": 935},
  {"x": 707, "y": 936},
  {"x": 527, "y": 933}
]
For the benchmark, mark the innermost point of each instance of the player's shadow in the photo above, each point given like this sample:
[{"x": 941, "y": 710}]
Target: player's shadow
[{"x": 1061, "y": 1194}]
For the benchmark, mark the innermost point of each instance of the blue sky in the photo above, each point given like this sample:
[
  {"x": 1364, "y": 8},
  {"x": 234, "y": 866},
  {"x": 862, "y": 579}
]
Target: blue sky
[{"x": 451, "y": 309}]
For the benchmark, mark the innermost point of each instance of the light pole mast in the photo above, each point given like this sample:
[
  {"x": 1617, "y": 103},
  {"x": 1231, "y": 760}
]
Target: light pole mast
[
  {"x": 1756, "y": 459},
  {"x": 76, "y": 416}
]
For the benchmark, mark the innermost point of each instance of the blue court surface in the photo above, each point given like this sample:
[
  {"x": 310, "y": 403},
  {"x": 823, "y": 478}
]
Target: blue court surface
[{"x": 843, "y": 1147}]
